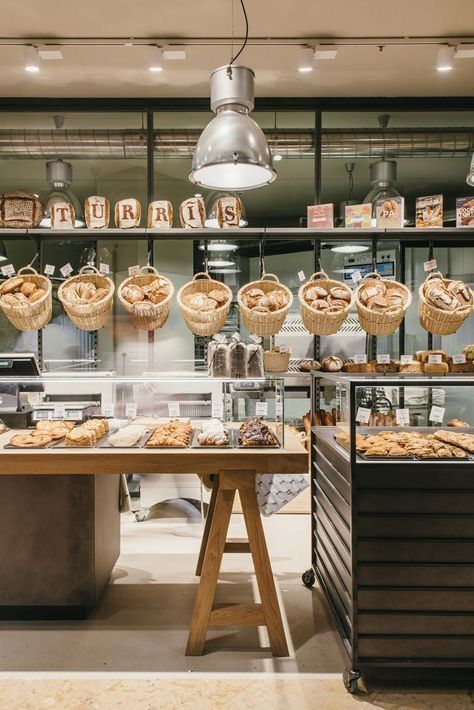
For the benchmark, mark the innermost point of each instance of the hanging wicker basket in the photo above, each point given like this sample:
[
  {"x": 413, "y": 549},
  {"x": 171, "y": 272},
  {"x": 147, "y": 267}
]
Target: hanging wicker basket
[
  {"x": 330, "y": 319},
  {"x": 436, "y": 320},
  {"x": 156, "y": 314},
  {"x": 276, "y": 362},
  {"x": 260, "y": 319},
  {"x": 30, "y": 316},
  {"x": 386, "y": 322},
  {"x": 88, "y": 316},
  {"x": 199, "y": 321}
]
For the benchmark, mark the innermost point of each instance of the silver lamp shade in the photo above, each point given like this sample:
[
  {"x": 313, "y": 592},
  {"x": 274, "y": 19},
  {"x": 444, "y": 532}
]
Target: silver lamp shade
[
  {"x": 232, "y": 152},
  {"x": 59, "y": 176}
]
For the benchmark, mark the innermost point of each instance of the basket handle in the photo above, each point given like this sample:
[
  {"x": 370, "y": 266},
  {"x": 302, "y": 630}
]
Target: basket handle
[
  {"x": 148, "y": 267},
  {"x": 89, "y": 267},
  {"x": 319, "y": 275},
  {"x": 434, "y": 274},
  {"x": 266, "y": 277},
  {"x": 27, "y": 268},
  {"x": 371, "y": 275},
  {"x": 464, "y": 309},
  {"x": 203, "y": 274}
]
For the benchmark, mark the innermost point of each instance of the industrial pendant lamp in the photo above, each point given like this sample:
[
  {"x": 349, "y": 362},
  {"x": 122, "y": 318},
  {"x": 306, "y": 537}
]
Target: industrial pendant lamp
[
  {"x": 59, "y": 176},
  {"x": 232, "y": 152}
]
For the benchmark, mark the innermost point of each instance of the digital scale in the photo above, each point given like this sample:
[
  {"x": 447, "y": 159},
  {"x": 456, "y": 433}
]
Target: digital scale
[
  {"x": 15, "y": 411},
  {"x": 386, "y": 265},
  {"x": 70, "y": 410}
]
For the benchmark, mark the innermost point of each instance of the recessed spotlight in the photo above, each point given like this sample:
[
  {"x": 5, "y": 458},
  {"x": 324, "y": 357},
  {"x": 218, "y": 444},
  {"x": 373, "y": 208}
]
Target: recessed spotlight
[
  {"x": 325, "y": 51},
  {"x": 155, "y": 59},
  {"x": 305, "y": 60},
  {"x": 174, "y": 54},
  {"x": 31, "y": 59},
  {"x": 445, "y": 58},
  {"x": 350, "y": 248},
  {"x": 277, "y": 157}
]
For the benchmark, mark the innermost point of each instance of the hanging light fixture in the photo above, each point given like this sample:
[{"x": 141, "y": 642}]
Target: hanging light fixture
[
  {"x": 232, "y": 152},
  {"x": 445, "y": 58},
  {"x": 211, "y": 209},
  {"x": 59, "y": 176},
  {"x": 3, "y": 252},
  {"x": 218, "y": 245},
  {"x": 470, "y": 175},
  {"x": 383, "y": 174}
]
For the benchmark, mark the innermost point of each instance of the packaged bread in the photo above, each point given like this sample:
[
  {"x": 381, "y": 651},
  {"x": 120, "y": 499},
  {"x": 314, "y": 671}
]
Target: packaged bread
[
  {"x": 431, "y": 368},
  {"x": 62, "y": 215},
  {"x": 20, "y": 210},
  {"x": 413, "y": 366},
  {"x": 218, "y": 358},
  {"x": 424, "y": 355},
  {"x": 160, "y": 215},
  {"x": 97, "y": 212},
  {"x": 229, "y": 212},
  {"x": 255, "y": 360},
  {"x": 192, "y": 213},
  {"x": 385, "y": 367},
  {"x": 467, "y": 366},
  {"x": 237, "y": 359},
  {"x": 128, "y": 213}
]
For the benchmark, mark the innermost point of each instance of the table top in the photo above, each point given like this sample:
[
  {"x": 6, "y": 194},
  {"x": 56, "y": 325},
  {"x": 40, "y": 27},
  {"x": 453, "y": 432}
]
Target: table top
[{"x": 293, "y": 458}]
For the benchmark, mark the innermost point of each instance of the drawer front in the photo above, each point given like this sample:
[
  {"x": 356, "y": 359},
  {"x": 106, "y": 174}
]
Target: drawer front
[
  {"x": 323, "y": 540},
  {"x": 339, "y": 482},
  {"x": 324, "y": 505},
  {"x": 325, "y": 561},
  {"x": 421, "y": 600},
  {"x": 417, "y": 648},
  {"x": 435, "y": 476},
  {"x": 339, "y": 543},
  {"x": 334, "y": 496},
  {"x": 375, "y": 550},
  {"x": 416, "y": 575},
  {"x": 416, "y": 526},
  {"x": 334, "y": 456},
  {"x": 416, "y": 502},
  {"x": 416, "y": 624}
]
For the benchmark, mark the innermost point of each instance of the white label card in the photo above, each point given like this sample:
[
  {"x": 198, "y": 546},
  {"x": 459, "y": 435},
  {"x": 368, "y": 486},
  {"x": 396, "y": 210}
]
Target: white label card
[
  {"x": 173, "y": 410},
  {"x": 459, "y": 359},
  {"x": 360, "y": 359},
  {"x": 284, "y": 348},
  {"x": 363, "y": 415},
  {"x": 279, "y": 408},
  {"x": 59, "y": 411},
  {"x": 437, "y": 414},
  {"x": 8, "y": 270},
  {"x": 108, "y": 410},
  {"x": 133, "y": 270},
  {"x": 49, "y": 269},
  {"x": 104, "y": 268},
  {"x": 383, "y": 359},
  {"x": 402, "y": 417},
  {"x": 217, "y": 409},
  {"x": 435, "y": 359},
  {"x": 356, "y": 277},
  {"x": 261, "y": 409},
  {"x": 406, "y": 359},
  {"x": 301, "y": 276},
  {"x": 430, "y": 265},
  {"x": 130, "y": 410},
  {"x": 66, "y": 269}
]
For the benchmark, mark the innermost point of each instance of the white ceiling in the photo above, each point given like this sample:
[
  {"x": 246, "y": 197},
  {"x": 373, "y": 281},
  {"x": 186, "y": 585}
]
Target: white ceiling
[{"x": 116, "y": 71}]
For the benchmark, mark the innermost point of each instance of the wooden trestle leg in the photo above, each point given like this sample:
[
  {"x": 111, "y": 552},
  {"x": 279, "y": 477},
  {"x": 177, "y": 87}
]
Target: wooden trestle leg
[{"x": 214, "y": 544}]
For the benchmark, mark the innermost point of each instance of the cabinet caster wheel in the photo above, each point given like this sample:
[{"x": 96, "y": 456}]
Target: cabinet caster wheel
[
  {"x": 308, "y": 578},
  {"x": 351, "y": 681}
]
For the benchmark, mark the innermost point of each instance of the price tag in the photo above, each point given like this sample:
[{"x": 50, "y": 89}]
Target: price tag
[
  {"x": 261, "y": 409},
  {"x": 301, "y": 276},
  {"x": 104, "y": 268},
  {"x": 406, "y": 359},
  {"x": 363, "y": 415},
  {"x": 284, "y": 348},
  {"x": 356, "y": 277},
  {"x": 435, "y": 359},
  {"x": 8, "y": 270},
  {"x": 59, "y": 411},
  {"x": 430, "y": 265},
  {"x": 217, "y": 409},
  {"x": 402, "y": 417},
  {"x": 108, "y": 410},
  {"x": 383, "y": 359},
  {"x": 279, "y": 408},
  {"x": 360, "y": 359},
  {"x": 173, "y": 410},
  {"x": 130, "y": 410},
  {"x": 49, "y": 269},
  {"x": 66, "y": 270},
  {"x": 133, "y": 270},
  {"x": 459, "y": 359},
  {"x": 437, "y": 414}
]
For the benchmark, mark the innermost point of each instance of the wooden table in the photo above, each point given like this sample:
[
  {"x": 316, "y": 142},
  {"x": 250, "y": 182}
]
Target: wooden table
[{"x": 234, "y": 470}]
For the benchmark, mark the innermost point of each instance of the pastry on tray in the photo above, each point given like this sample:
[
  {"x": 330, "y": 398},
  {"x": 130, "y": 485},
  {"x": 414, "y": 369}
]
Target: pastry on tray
[
  {"x": 254, "y": 432},
  {"x": 36, "y": 439},
  {"x": 127, "y": 436},
  {"x": 404, "y": 444},
  {"x": 81, "y": 437},
  {"x": 213, "y": 433},
  {"x": 173, "y": 434},
  {"x": 458, "y": 423}
]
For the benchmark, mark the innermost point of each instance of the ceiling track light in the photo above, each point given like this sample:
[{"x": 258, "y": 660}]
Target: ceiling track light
[
  {"x": 155, "y": 58},
  {"x": 445, "y": 59},
  {"x": 31, "y": 59},
  {"x": 325, "y": 51},
  {"x": 305, "y": 60}
]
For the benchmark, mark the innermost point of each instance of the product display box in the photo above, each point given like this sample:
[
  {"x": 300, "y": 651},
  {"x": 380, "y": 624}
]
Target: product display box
[
  {"x": 465, "y": 212},
  {"x": 358, "y": 216},
  {"x": 321, "y": 216},
  {"x": 390, "y": 213},
  {"x": 429, "y": 211}
]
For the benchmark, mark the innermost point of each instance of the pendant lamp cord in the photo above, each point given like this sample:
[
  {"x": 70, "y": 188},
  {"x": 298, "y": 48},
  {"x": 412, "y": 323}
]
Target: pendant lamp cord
[{"x": 246, "y": 34}]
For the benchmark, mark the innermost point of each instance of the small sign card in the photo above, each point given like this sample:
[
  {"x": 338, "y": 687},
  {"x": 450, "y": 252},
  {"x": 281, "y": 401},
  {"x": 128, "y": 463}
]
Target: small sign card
[
  {"x": 8, "y": 270},
  {"x": 363, "y": 415},
  {"x": 130, "y": 410},
  {"x": 430, "y": 265},
  {"x": 459, "y": 359},
  {"x": 217, "y": 409},
  {"x": 321, "y": 216},
  {"x": 402, "y": 417},
  {"x": 437, "y": 414},
  {"x": 49, "y": 269},
  {"x": 66, "y": 270},
  {"x": 173, "y": 410},
  {"x": 301, "y": 276},
  {"x": 406, "y": 359},
  {"x": 108, "y": 410},
  {"x": 261, "y": 409},
  {"x": 360, "y": 359},
  {"x": 435, "y": 359},
  {"x": 356, "y": 277},
  {"x": 59, "y": 411},
  {"x": 133, "y": 270},
  {"x": 279, "y": 408},
  {"x": 104, "y": 268},
  {"x": 383, "y": 359}
]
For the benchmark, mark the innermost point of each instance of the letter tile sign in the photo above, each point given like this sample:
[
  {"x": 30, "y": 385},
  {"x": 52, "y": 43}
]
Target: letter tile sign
[
  {"x": 128, "y": 213},
  {"x": 160, "y": 215},
  {"x": 62, "y": 216},
  {"x": 192, "y": 213},
  {"x": 229, "y": 211},
  {"x": 97, "y": 212}
]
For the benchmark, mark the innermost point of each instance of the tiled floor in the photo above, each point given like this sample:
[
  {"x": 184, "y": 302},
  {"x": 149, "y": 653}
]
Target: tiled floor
[{"x": 130, "y": 652}]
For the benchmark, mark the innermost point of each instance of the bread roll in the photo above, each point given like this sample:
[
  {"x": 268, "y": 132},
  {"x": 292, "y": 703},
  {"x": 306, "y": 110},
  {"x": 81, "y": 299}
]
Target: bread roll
[
  {"x": 97, "y": 212},
  {"x": 160, "y": 215},
  {"x": 435, "y": 367},
  {"x": 128, "y": 213}
]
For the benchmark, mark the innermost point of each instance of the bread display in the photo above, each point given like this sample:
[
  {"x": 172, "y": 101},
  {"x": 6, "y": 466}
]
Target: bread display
[
  {"x": 192, "y": 213},
  {"x": 87, "y": 298},
  {"x": 20, "y": 210},
  {"x": 174, "y": 434},
  {"x": 324, "y": 304},
  {"x": 463, "y": 441},
  {"x": 255, "y": 358},
  {"x": 424, "y": 355},
  {"x": 331, "y": 364},
  {"x": 127, "y": 436},
  {"x": 309, "y": 365},
  {"x": 254, "y": 432},
  {"x": 468, "y": 351},
  {"x": 128, "y": 213},
  {"x": 154, "y": 292},
  {"x": 264, "y": 305},
  {"x": 458, "y": 423},
  {"x": 213, "y": 433},
  {"x": 238, "y": 359},
  {"x": 35, "y": 440},
  {"x": 88, "y": 433},
  {"x": 160, "y": 215},
  {"x": 391, "y": 366},
  {"x": 272, "y": 301},
  {"x": 407, "y": 444},
  {"x": 26, "y": 299},
  {"x": 97, "y": 212},
  {"x": 413, "y": 366},
  {"x": 204, "y": 304},
  {"x": 277, "y": 359},
  {"x": 431, "y": 368},
  {"x": 444, "y": 304},
  {"x": 381, "y": 304},
  {"x": 57, "y": 430},
  {"x": 82, "y": 292},
  {"x": 218, "y": 359},
  {"x": 366, "y": 367},
  {"x": 19, "y": 292},
  {"x": 63, "y": 215}
]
